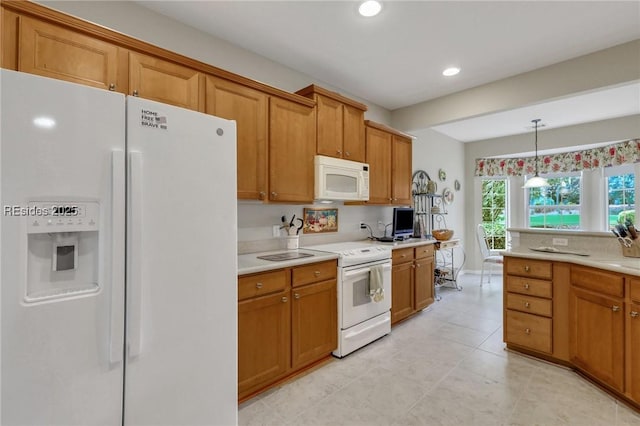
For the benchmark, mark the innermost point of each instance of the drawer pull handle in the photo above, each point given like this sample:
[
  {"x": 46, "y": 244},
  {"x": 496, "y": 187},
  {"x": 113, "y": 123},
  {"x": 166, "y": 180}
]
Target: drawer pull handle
[
  {"x": 526, "y": 286},
  {"x": 404, "y": 255},
  {"x": 634, "y": 314},
  {"x": 526, "y": 268},
  {"x": 284, "y": 299},
  {"x": 526, "y": 304},
  {"x": 296, "y": 295},
  {"x": 316, "y": 273},
  {"x": 258, "y": 285},
  {"x": 615, "y": 308},
  {"x": 527, "y": 330}
]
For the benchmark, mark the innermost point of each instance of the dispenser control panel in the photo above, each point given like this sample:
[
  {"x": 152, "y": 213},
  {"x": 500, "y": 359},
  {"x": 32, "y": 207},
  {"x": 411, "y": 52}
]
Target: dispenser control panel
[{"x": 62, "y": 216}]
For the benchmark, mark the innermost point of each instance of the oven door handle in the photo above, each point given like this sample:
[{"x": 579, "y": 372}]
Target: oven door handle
[{"x": 366, "y": 270}]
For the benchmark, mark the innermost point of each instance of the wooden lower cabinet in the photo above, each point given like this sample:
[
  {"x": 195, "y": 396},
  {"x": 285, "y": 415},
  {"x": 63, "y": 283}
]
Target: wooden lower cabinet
[
  {"x": 633, "y": 351},
  {"x": 597, "y": 336},
  {"x": 264, "y": 340},
  {"x": 290, "y": 328},
  {"x": 402, "y": 298},
  {"x": 314, "y": 322},
  {"x": 411, "y": 281}
]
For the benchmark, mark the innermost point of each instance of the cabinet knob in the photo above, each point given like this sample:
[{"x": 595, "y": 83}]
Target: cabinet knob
[
  {"x": 135, "y": 93},
  {"x": 339, "y": 151},
  {"x": 316, "y": 273},
  {"x": 615, "y": 308},
  {"x": 403, "y": 255},
  {"x": 112, "y": 87},
  {"x": 296, "y": 295},
  {"x": 274, "y": 194},
  {"x": 284, "y": 299},
  {"x": 347, "y": 153},
  {"x": 258, "y": 285},
  {"x": 526, "y": 304},
  {"x": 526, "y": 286},
  {"x": 417, "y": 265},
  {"x": 526, "y": 268},
  {"x": 527, "y": 330},
  {"x": 262, "y": 195},
  {"x": 634, "y": 314}
]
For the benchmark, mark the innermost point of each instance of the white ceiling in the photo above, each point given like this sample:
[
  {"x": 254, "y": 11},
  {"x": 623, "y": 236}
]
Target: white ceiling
[{"x": 396, "y": 59}]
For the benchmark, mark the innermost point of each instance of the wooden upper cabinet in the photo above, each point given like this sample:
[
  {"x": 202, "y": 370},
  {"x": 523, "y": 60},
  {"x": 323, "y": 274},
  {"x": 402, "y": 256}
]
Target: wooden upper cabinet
[
  {"x": 166, "y": 82},
  {"x": 401, "y": 170},
  {"x": 292, "y": 141},
  {"x": 249, "y": 108},
  {"x": 52, "y": 51},
  {"x": 339, "y": 124},
  {"x": 379, "y": 159}
]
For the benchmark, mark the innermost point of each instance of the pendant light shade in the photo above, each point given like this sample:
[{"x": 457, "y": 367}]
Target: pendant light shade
[{"x": 536, "y": 181}]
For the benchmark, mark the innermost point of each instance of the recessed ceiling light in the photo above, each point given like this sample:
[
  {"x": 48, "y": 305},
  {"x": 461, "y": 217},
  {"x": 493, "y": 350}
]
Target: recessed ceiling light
[
  {"x": 370, "y": 8},
  {"x": 451, "y": 71}
]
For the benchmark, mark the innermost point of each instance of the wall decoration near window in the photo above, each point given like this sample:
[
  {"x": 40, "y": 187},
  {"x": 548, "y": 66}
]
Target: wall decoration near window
[
  {"x": 456, "y": 185},
  {"x": 612, "y": 155},
  {"x": 320, "y": 220},
  {"x": 442, "y": 175},
  {"x": 447, "y": 196}
]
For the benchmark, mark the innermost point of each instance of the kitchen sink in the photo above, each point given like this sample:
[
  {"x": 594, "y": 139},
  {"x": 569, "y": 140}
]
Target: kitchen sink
[{"x": 287, "y": 255}]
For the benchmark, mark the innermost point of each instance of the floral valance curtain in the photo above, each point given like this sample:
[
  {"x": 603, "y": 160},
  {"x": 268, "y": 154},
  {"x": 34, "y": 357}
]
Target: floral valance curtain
[{"x": 612, "y": 155}]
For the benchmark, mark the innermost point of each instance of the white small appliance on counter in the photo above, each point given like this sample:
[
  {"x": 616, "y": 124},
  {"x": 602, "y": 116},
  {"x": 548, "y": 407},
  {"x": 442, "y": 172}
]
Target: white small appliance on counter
[{"x": 361, "y": 319}]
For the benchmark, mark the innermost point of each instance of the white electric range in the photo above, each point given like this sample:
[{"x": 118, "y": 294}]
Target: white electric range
[{"x": 361, "y": 320}]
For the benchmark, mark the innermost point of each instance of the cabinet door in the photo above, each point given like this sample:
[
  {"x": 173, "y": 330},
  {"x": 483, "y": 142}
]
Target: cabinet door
[
  {"x": 55, "y": 52},
  {"x": 597, "y": 336},
  {"x": 423, "y": 282},
  {"x": 264, "y": 339},
  {"x": 402, "y": 294},
  {"x": 353, "y": 134},
  {"x": 314, "y": 322},
  {"x": 633, "y": 352},
  {"x": 329, "y": 126},
  {"x": 401, "y": 170},
  {"x": 166, "y": 82},
  {"x": 248, "y": 107},
  {"x": 378, "y": 156},
  {"x": 292, "y": 142}
]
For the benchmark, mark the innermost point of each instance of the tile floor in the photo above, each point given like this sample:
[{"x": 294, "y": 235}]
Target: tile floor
[{"x": 445, "y": 366}]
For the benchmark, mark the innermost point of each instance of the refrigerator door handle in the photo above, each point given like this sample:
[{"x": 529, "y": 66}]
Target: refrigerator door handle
[
  {"x": 116, "y": 335},
  {"x": 134, "y": 257}
]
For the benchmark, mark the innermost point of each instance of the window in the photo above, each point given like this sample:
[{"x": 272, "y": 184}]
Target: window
[
  {"x": 558, "y": 205},
  {"x": 494, "y": 212},
  {"x": 621, "y": 195}
]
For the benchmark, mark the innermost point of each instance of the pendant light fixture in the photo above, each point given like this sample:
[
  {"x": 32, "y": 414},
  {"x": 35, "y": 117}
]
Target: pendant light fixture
[{"x": 536, "y": 181}]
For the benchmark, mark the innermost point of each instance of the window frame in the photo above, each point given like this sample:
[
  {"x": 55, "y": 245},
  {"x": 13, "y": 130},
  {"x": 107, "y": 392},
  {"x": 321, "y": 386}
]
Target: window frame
[
  {"x": 527, "y": 215},
  {"x": 617, "y": 171},
  {"x": 507, "y": 214}
]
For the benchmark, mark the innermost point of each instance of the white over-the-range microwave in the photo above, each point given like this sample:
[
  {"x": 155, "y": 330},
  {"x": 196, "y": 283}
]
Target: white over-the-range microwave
[{"x": 338, "y": 179}]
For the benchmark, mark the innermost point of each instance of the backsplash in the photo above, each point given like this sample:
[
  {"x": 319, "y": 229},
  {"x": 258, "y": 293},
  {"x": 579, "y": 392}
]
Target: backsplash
[
  {"x": 256, "y": 222},
  {"x": 595, "y": 243}
]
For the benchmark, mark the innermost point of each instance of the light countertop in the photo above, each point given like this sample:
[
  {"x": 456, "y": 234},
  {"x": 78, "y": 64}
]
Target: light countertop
[
  {"x": 250, "y": 264},
  {"x": 411, "y": 242},
  {"x": 615, "y": 263}
]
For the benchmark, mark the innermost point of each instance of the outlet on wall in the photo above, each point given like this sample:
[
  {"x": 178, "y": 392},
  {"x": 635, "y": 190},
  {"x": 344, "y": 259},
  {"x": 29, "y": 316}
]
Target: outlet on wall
[
  {"x": 275, "y": 231},
  {"x": 560, "y": 242}
]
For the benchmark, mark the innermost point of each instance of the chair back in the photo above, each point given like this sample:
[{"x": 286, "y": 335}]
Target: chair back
[{"x": 482, "y": 241}]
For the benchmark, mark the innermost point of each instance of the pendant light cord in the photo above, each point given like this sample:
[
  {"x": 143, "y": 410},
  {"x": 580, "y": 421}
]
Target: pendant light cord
[{"x": 535, "y": 122}]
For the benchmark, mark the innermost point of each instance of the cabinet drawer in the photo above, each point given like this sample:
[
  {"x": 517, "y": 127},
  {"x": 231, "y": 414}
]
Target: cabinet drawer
[
  {"x": 529, "y": 268},
  {"x": 261, "y": 284},
  {"x": 315, "y": 272},
  {"x": 534, "y": 305},
  {"x": 529, "y": 286},
  {"x": 424, "y": 251},
  {"x": 528, "y": 330},
  {"x": 597, "y": 281},
  {"x": 634, "y": 289},
  {"x": 402, "y": 255}
]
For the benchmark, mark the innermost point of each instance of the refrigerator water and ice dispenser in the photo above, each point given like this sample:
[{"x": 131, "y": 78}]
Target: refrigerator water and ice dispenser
[{"x": 63, "y": 250}]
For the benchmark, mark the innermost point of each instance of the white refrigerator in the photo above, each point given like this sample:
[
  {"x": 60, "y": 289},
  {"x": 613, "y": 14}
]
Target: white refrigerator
[{"x": 118, "y": 259}]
